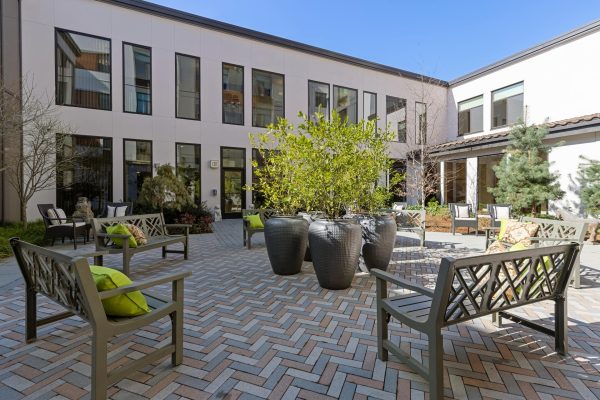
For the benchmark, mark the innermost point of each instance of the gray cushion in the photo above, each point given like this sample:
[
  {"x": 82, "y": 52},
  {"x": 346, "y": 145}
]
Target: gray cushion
[{"x": 462, "y": 212}]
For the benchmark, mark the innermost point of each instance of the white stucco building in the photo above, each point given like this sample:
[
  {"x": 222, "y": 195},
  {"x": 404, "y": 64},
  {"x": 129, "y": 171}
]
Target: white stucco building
[{"x": 145, "y": 85}]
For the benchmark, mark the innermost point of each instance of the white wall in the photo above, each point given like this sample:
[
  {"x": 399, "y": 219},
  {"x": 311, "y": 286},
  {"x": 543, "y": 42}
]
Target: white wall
[{"x": 166, "y": 37}]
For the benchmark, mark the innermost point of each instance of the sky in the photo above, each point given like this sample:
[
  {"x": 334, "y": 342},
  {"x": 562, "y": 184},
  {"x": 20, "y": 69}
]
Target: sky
[{"x": 443, "y": 39}]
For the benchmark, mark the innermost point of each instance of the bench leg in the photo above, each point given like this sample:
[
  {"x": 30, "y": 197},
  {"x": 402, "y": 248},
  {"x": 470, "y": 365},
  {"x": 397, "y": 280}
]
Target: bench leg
[
  {"x": 177, "y": 324},
  {"x": 577, "y": 273},
  {"x": 185, "y": 247},
  {"x": 436, "y": 366},
  {"x": 560, "y": 325},
  {"x": 99, "y": 260},
  {"x": 164, "y": 252},
  {"x": 244, "y": 237},
  {"x": 249, "y": 240},
  {"x": 30, "y": 315},
  {"x": 497, "y": 320},
  {"x": 382, "y": 320},
  {"x": 126, "y": 259},
  {"x": 99, "y": 365}
]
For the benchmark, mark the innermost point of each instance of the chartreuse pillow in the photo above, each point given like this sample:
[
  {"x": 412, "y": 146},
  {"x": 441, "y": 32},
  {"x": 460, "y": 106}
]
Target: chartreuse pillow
[
  {"x": 121, "y": 229},
  {"x": 124, "y": 305},
  {"x": 254, "y": 221},
  {"x": 503, "y": 225}
]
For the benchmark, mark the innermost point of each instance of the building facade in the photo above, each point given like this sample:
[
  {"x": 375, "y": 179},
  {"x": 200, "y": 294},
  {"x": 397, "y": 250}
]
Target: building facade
[{"x": 145, "y": 85}]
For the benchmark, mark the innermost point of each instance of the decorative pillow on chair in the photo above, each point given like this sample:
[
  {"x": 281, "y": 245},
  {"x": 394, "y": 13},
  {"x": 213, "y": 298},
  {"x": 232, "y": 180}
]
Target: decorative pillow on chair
[
  {"x": 124, "y": 305},
  {"x": 57, "y": 216},
  {"x": 462, "y": 212},
  {"x": 121, "y": 229},
  {"x": 519, "y": 232},
  {"x": 121, "y": 211},
  {"x": 502, "y": 213},
  {"x": 254, "y": 221},
  {"x": 138, "y": 234}
]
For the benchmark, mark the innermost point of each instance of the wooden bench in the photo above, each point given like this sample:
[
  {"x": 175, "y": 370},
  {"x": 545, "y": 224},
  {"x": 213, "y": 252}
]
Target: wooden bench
[
  {"x": 552, "y": 232},
  {"x": 153, "y": 226},
  {"x": 68, "y": 282},
  {"x": 470, "y": 288},
  {"x": 411, "y": 221},
  {"x": 264, "y": 214}
]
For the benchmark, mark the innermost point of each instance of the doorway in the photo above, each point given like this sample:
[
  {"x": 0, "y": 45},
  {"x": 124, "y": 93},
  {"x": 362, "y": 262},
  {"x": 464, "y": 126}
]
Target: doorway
[{"x": 233, "y": 179}]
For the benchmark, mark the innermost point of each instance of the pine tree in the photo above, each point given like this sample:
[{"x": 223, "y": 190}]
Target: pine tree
[
  {"x": 524, "y": 177},
  {"x": 165, "y": 190},
  {"x": 589, "y": 177}
]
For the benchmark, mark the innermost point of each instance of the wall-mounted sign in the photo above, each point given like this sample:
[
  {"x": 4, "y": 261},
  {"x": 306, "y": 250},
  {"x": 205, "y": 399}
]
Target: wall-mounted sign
[{"x": 214, "y": 164}]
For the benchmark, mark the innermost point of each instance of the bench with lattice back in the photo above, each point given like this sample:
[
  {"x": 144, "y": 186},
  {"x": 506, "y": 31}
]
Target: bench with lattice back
[
  {"x": 153, "y": 226},
  {"x": 411, "y": 221},
  {"x": 470, "y": 288},
  {"x": 67, "y": 281}
]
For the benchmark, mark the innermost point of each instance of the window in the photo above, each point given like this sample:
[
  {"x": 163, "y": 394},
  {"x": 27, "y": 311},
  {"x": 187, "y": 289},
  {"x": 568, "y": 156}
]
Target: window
[
  {"x": 90, "y": 176},
  {"x": 421, "y": 122},
  {"x": 318, "y": 99},
  {"x": 455, "y": 181},
  {"x": 137, "y": 79},
  {"x": 187, "y": 86},
  {"x": 470, "y": 115},
  {"x": 187, "y": 165},
  {"x": 507, "y": 105},
  {"x": 137, "y": 166},
  {"x": 83, "y": 74},
  {"x": 369, "y": 106},
  {"x": 233, "y": 94},
  {"x": 395, "y": 116},
  {"x": 267, "y": 97},
  {"x": 345, "y": 103}
]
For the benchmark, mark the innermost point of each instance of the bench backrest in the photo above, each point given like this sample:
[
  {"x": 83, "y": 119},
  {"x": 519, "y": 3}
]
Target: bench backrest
[
  {"x": 567, "y": 230},
  {"x": 410, "y": 218},
  {"x": 63, "y": 279},
  {"x": 471, "y": 287},
  {"x": 150, "y": 224},
  {"x": 264, "y": 213}
]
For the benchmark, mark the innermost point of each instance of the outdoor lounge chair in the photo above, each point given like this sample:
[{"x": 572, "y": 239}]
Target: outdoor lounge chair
[
  {"x": 128, "y": 210},
  {"x": 60, "y": 228},
  {"x": 498, "y": 212},
  {"x": 463, "y": 216}
]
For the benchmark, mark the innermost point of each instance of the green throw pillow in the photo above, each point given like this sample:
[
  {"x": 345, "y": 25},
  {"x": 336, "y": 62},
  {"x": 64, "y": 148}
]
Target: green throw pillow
[
  {"x": 123, "y": 305},
  {"x": 503, "y": 225},
  {"x": 121, "y": 229},
  {"x": 254, "y": 221}
]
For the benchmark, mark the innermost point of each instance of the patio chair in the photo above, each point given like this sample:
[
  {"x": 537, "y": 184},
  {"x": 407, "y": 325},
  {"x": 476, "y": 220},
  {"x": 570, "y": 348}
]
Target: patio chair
[
  {"x": 116, "y": 205},
  {"x": 499, "y": 212},
  {"x": 62, "y": 227},
  {"x": 463, "y": 216}
]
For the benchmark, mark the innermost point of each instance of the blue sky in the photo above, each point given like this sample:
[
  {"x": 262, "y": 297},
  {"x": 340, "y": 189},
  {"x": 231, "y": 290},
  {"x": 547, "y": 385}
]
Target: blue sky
[{"x": 444, "y": 39}]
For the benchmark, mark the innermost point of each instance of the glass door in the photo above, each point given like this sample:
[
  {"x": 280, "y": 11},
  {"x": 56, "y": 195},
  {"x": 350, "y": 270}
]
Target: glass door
[{"x": 233, "y": 179}]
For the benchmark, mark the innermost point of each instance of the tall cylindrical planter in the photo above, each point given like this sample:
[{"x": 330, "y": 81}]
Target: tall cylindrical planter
[
  {"x": 286, "y": 239},
  {"x": 379, "y": 238},
  {"x": 335, "y": 249}
]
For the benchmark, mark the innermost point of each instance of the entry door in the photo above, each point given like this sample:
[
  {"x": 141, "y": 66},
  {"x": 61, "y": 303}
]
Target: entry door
[{"x": 233, "y": 179}]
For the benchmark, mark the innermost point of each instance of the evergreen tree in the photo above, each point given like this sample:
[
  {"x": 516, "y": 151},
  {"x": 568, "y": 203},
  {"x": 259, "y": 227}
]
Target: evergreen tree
[
  {"x": 589, "y": 177},
  {"x": 524, "y": 177},
  {"x": 165, "y": 190}
]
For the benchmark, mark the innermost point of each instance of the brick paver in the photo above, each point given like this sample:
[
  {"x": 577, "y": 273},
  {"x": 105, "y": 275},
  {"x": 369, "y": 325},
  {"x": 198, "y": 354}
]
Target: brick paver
[{"x": 252, "y": 334}]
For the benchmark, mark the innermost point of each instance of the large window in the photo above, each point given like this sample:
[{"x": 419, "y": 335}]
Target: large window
[
  {"x": 345, "y": 103},
  {"x": 137, "y": 166},
  {"x": 507, "y": 105},
  {"x": 455, "y": 181},
  {"x": 187, "y": 165},
  {"x": 90, "y": 176},
  {"x": 187, "y": 86},
  {"x": 369, "y": 106},
  {"x": 267, "y": 97},
  {"x": 137, "y": 79},
  {"x": 83, "y": 74},
  {"x": 486, "y": 177},
  {"x": 318, "y": 99},
  {"x": 395, "y": 116},
  {"x": 470, "y": 115},
  {"x": 233, "y": 94},
  {"x": 421, "y": 122}
]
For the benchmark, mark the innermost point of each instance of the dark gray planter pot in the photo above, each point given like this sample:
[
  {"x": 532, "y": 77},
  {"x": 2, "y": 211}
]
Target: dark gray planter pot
[
  {"x": 335, "y": 248},
  {"x": 286, "y": 239},
  {"x": 379, "y": 238}
]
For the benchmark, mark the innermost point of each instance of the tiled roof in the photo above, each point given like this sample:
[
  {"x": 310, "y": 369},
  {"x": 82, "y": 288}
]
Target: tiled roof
[{"x": 501, "y": 136}]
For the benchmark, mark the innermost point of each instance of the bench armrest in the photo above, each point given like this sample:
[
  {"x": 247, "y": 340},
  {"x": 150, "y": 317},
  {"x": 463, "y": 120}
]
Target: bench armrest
[
  {"x": 181, "y": 226},
  {"x": 401, "y": 282},
  {"x": 144, "y": 284}
]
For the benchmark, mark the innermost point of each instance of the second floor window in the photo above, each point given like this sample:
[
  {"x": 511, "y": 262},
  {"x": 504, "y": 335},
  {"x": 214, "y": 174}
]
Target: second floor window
[
  {"x": 318, "y": 99},
  {"x": 345, "y": 102},
  {"x": 369, "y": 106},
  {"x": 233, "y": 94},
  {"x": 187, "y": 86},
  {"x": 395, "y": 116},
  {"x": 507, "y": 105},
  {"x": 137, "y": 79},
  {"x": 470, "y": 115},
  {"x": 83, "y": 74},
  {"x": 421, "y": 122},
  {"x": 267, "y": 97}
]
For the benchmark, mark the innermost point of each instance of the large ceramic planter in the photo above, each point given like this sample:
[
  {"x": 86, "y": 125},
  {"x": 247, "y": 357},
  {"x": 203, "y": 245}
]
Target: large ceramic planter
[
  {"x": 335, "y": 248},
  {"x": 379, "y": 237},
  {"x": 286, "y": 239}
]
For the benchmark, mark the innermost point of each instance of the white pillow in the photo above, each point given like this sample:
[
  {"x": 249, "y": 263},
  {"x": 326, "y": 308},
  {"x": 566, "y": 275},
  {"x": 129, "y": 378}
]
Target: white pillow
[
  {"x": 110, "y": 211},
  {"x": 398, "y": 207},
  {"x": 53, "y": 216},
  {"x": 502, "y": 213},
  {"x": 61, "y": 214},
  {"x": 462, "y": 211},
  {"x": 120, "y": 211}
]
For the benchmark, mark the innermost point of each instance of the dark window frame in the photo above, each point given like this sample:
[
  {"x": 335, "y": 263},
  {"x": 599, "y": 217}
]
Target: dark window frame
[
  {"x": 125, "y": 161},
  {"x": 199, "y": 83},
  {"x": 123, "y": 77},
  {"x": 397, "y": 140},
  {"x": 252, "y": 105},
  {"x": 328, "y": 116},
  {"x": 376, "y": 101},
  {"x": 334, "y": 102},
  {"x": 244, "y": 180},
  {"x": 458, "y": 115},
  {"x": 492, "y": 127},
  {"x": 200, "y": 163},
  {"x": 56, "y": 30},
  {"x": 223, "y": 64}
]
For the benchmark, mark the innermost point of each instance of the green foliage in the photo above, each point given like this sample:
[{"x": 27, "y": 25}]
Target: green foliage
[
  {"x": 524, "y": 177},
  {"x": 323, "y": 165},
  {"x": 435, "y": 208},
  {"x": 164, "y": 190},
  {"x": 589, "y": 177},
  {"x": 34, "y": 233}
]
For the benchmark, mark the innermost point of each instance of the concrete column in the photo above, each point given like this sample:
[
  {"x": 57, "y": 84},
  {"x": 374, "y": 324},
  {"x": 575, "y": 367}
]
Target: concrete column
[
  {"x": 442, "y": 182},
  {"x": 472, "y": 182}
]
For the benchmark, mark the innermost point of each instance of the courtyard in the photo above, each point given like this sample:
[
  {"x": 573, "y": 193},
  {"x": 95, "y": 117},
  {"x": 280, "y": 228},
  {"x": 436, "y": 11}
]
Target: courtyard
[{"x": 249, "y": 333}]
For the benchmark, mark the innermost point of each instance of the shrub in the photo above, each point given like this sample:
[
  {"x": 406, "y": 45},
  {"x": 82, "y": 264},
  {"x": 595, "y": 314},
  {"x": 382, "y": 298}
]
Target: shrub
[
  {"x": 589, "y": 176},
  {"x": 197, "y": 215},
  {"x": 33, "y": 234},
  {"x": 435, "y": 208},
  {"x": 165, "y": 190}
]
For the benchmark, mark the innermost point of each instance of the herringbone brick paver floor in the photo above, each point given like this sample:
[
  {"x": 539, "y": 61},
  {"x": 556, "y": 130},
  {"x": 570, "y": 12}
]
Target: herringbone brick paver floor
[{"x": 250, "y": 334}]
